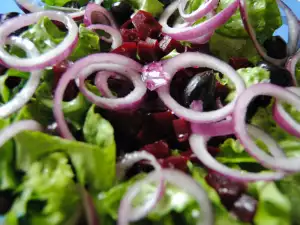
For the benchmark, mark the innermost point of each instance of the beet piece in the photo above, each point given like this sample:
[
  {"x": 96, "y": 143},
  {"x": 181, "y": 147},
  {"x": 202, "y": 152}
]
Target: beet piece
[
  {"x": 238, "y": 63},
  {"x": 127, "y": 25},
  {"x": 159, "y": 149},
  {"x": 146, "y": 25},
  {"x": 191, "y": 156},
  {"x": 130, "y": 35},
  {"x": 182, "y": 129},
  {"x": 245, "y": 208},
  {"x": 59, "y": 69},
  {"x": 228, "y": 190},
  {"x": 176, "y": 162},
  {"x": 167, "y": 44},
  {"x": 163, "y": 121},
  {"x": 128, "y": 49},
  {"x": 148, "y": 52}
]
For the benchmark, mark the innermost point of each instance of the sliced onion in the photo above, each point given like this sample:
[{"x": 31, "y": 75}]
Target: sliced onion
[
  {"x": 178, "y": 179},
  {"x": 291, "y": 66},
  {"x": 283, "y": 118},
  {"x": 293, "y": 32},
  {"x": 203, "y": 10},
  {"x": 18, "y": 127},
  {"x": 294, "y": 28},
  {"x": 101, "y": 15},
  {"x": 222, "y": 128},
  {"x": 31, "y": 85},
  {"x": 39, "y": 5},
  {"x": 193, "y": 32},
  {"x": 198, "y": 146},
  {"x": 101, "y": 82},
  {"x": 239, "y": 115},
  {"x": 128, "y": 161},
  {"x": 190, "y": 59},
  {"x": 89, "y": 208},
  {"x": 59, "y": 53},
  {"x": 115, "y": 34},
  {"x": 75, "y": 72}
]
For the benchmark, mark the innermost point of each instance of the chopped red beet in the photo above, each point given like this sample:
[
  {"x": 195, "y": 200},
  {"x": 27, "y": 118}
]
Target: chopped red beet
[
  {"x": 127, "y": 25},
  {"x": 146, "y": 25},
  {"x": 176, "y": 162},
  {"x": 191, "y": 156},
  {"x": 182, "y": 130},
  {"x": 159, "y": 149},
  {"x": 149, "y": 52},
  {"x": 164, "y": 120},
  {"x": 238, "y": 63},
  {"x": 128, "y": 49},
  {"x": 167, "y": 44},
  {"x": 130, "y": 35}
]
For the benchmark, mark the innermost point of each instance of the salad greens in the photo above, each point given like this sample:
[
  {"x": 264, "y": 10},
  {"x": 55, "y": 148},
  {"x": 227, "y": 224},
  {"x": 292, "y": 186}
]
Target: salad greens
[{"x": 63, "y": 2}]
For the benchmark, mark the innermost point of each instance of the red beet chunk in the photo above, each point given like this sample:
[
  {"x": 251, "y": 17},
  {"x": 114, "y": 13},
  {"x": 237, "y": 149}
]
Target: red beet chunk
[
  {"x": 148, "y": 52},
  {"x": 176, "y": 162},
  {"x": 182, "y": 129},
  {"x": 191, "y": 156},
  {"x": 167, "y": 44},
  {"x": 159, "y": 149},
  {"x": 127, "y": 25},
  {"x": 245, "y": 208},
  {"x": 130, "y": 35},
  {"x": 146, "y": 25},
  {"x": 238, "y": 63},
  {"x": 163, "y": 120},
  {"x": 228, "y": 190},
  {"x": 128, "y": 49}
]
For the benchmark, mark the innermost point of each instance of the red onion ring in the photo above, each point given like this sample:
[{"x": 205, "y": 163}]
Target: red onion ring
[
  {"x": 115, "y": 34},
  {"x": 59, "y": 53},
  {"x": 31, "y": 85},
  {"x": 291, "y": 66},
  {"x": 198, "y": 145},
  {"x": 222, "y": 128},
  {"x": 203, "y": 10},
  {"x": 105, "y": 17},
  {"x": 293, "y": 32},
  {"x": 294, "y": 28},
  {"x": 89, "y": 208},
  {"x": 38, "y": 6},
  {"x": 18, "y": 127},
  {"x": 101, "y": 82},
  {"x": 283, "y": 118},
  {"x": 192, "y": 59},
  {"x": 239, "y": 115},
  {"x": 180, "y": 180},
  {"x": 74, "y": 72},
  {"x": 192, "y": 32},
  {"x": 128, "y": 161},
  {"x": 130, "y": 101}
]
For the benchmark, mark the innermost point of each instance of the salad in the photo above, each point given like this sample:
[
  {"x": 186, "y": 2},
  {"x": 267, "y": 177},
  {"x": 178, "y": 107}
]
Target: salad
[{"x": 153, "y": 112}]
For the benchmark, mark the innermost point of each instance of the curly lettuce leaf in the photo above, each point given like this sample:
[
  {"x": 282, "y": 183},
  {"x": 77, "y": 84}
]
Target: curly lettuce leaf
[
  {"x": 50, "y": 183},
  {"x": 46, "y": 36},
  {"x": 94, "y": 165},
  {"x": 155, "y": 7},
  {"x": 63, "y": 2},
  {"x": 250, "y": 75}
]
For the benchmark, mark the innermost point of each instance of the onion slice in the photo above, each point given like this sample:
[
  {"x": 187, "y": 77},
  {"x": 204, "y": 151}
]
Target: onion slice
[
  {"x": 75, "y": 71},
  {"x": 239, "y": 115},
  {"x": 100, "y": 14},
  {"x": 178, "y": 179},
  {"x": 115, "y": 34},
  {"x": 203, "y": 10},
  {"x": 283, "y": 118},
  {"x": 31, "y": 85},
  {"x": 291, "y": 66},
  {"x": 59, "y": 53},
  {"x": 192, "y": 59},
  {"x": 198, "y": 145},
  {"x": 221, "y": 128},
  {"x": 101, "y": 82},
  {"x": 89, "y": 208},
  {"x": 18, "y": 127},
  {"x": 193, "y": 32}
]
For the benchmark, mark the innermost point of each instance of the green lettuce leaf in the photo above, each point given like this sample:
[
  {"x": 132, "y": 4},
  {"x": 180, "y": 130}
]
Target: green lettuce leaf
[
  {"x": 49, "y": 183},
  {"x": 94, "y": 165},
  {"x": 46, "y": 36},
  {"x": 8, "y": 179},
  {"x": 251, "y": 75},
  {"x": 63, "y": 2},
  {"x": 297, "y": 73},
  {"x": 155, "y": 7},
  {"x": 274, "y": 208}
]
